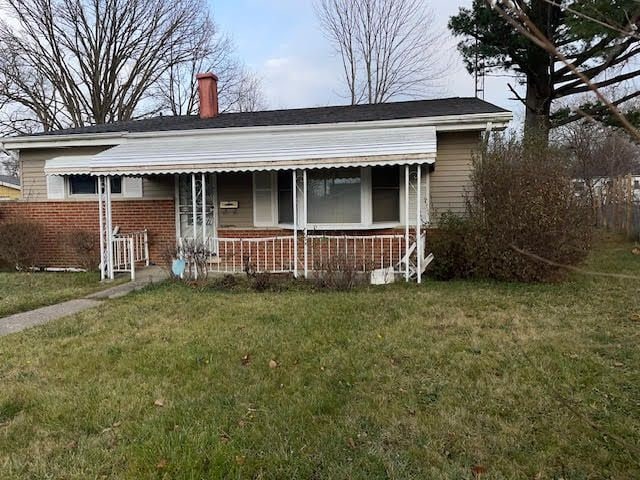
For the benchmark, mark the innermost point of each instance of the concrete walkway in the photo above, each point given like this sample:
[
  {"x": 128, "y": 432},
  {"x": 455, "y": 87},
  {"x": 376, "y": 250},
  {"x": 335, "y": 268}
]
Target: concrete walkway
[{"x": 21, "y": 321}]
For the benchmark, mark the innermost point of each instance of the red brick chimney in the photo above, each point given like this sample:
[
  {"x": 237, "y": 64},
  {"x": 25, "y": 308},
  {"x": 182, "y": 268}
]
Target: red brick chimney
[{"x": 208, "y": 91}]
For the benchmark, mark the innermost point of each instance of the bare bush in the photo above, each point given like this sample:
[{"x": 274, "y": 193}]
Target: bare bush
[
  {"x": 453, "y": 253},
  {"x": 522, "y": 198},
  {"x": 86, "y": 246},
  {"x": 196, "y": 255},
  {"x": 20, "y": 243},
  {"x": 338, "y": 272}
]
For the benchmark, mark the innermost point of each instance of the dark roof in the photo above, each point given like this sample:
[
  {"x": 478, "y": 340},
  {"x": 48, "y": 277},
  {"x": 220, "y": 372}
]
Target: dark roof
[
  {"x": 8, "y": 179},
  {"x": 298, "y": 116}
]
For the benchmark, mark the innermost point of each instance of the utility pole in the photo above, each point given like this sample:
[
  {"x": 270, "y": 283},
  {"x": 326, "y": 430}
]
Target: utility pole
[{"x": 478, "y": 70}]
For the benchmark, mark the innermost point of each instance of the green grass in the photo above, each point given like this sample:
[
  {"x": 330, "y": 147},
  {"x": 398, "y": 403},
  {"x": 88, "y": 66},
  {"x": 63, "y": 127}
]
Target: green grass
[
  {"x": 527, "y": 381},
  {"x": 20, "y": 292}
]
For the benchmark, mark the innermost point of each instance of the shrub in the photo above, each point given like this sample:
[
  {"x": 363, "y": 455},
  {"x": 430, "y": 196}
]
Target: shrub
[
  {"x": 451, "y": 248},
  {"x": 338, "y": 272},
  {"x": 521, "y": 196},
  {"x": 20, "y": 243},
  {"x": 226, "y": 282},
  {"x": 196, "y": 255},
  {"x": 86, "y": 246}
]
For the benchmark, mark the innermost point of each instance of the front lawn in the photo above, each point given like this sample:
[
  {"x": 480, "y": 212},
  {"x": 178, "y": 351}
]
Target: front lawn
[
  {"x": 447, "y": 380},
  {"x": 20, "y": 292}
]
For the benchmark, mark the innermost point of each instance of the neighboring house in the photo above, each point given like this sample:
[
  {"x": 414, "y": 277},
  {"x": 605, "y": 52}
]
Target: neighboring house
[
  {"x": 599, "y": 185},
  {"x": 282, "y": 190},
  {"x": 9, "y": 188}
]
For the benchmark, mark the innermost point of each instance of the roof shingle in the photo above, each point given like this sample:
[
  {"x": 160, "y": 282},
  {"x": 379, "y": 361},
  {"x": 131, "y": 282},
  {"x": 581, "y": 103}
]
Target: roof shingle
[{"x": 299, "y": 116}]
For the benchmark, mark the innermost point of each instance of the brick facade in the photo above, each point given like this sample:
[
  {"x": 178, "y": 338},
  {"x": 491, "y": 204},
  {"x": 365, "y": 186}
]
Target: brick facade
[{"x": 60, "y": 219}]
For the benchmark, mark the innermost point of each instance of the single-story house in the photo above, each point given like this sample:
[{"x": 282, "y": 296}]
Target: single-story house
[
  {"x": 9, "y": 187},
  {"x": 281, "y": 191}
]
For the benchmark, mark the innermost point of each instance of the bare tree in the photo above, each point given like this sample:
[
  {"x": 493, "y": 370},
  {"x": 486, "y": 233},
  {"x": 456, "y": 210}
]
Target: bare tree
[
  {"x": 388, "y": 48},
  {"x": 9, "y": 164},
  {"x": 597, "y": 153},
  {"x": 71, "y": 63},
  {"x": 239, "y": 89}
]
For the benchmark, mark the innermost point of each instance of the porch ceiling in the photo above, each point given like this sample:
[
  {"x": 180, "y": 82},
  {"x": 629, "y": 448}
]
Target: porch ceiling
[{"x": 281, "y": 150}]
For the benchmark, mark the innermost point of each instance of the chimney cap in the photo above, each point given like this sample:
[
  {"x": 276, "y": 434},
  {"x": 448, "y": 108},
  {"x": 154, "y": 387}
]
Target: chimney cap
[{"x": 201, "y": 76}]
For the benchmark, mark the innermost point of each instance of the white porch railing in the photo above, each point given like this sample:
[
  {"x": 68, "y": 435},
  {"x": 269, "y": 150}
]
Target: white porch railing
[
  {"x": 140, "y": 245},
  {"x": 235, "y": 255},
  {"x": 129, "y": 249},
  {"x": 363, "y": 253}
]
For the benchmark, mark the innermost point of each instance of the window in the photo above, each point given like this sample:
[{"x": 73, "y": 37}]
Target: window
[
  {"x": 88, "y": 185},
  {"x": 352, "y": 197},
  {"x": 385, "y": 194},
  {"x": 285, "y": 197},
  {"x": 334, "y": 196}
]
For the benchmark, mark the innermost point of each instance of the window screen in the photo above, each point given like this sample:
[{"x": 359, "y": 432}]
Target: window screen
[
  {"x": 334, "y": 196},
  {"x": 88, "y": 185},
  {"x": 285, "y": 197},
  {"x": 385, "y": 194}
]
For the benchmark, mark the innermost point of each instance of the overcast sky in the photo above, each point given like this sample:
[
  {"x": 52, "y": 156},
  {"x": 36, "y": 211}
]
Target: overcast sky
[{"x": 281, "y": 41}]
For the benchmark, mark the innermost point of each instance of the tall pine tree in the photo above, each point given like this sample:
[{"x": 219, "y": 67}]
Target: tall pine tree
[{"x": 599, "y": 37}]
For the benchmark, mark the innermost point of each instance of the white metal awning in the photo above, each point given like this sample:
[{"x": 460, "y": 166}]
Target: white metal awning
[
  {"x": 219, "y": 151},
  {"x": 78, "y": 164}
]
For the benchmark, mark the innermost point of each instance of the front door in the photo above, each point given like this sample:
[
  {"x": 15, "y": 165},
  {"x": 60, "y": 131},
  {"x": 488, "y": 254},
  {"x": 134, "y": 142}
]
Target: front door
[{"x": 185, "y": 206}]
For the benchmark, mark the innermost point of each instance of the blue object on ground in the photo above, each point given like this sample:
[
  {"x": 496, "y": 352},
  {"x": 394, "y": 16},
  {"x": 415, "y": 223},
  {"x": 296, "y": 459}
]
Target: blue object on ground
[{"x": 178, "y": 266}]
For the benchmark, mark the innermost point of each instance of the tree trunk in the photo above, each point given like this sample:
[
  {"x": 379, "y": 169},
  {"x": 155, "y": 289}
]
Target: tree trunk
[
  {"x": 540, "y": 76},
  {"x": 538, "y": 105}
]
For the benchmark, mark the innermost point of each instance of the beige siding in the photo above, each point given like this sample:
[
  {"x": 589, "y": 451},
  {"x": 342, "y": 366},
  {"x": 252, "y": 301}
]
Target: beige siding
[
  {"x": 158, "y": 186},
  {"x": 34, "y": 182},
  {"x": 236, "y": 187},
  {"x": 451, "y": 178},
  {"x": 7, "y": 193}
]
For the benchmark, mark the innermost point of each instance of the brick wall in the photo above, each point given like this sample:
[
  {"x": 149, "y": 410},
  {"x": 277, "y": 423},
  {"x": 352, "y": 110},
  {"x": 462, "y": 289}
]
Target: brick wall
[{"x": 60, "y": 219}]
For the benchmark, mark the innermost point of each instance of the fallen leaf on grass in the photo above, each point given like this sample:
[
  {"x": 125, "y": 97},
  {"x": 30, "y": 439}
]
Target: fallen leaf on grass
[
  {"x": 478, "y": 471},
  {"x": 273, "y": 364},
  {"x": 618, "y": 364},
  {"x": 352, "y": 444},
  {"x": 240, "y": 459},
  {"x": 159, "y": 402},
  {"x": 246, "y": 359},
  {"x": 162, "y": 464}
]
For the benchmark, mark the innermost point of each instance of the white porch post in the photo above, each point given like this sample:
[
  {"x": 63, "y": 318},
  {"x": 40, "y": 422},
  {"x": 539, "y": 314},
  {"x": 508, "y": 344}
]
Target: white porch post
[
  {"x": 109, "y": 226},
  {"x": 427, "y": 198},
  {"x": 194, "y": 211},
  {"x": 194, "y": 206},
  {"x": 295, "y": 224},
  {"x": 103, "y": 260},
  {"x": 304, "y": 212},
  {"x": 406, "y": 222},
  {"x": 419, "y": 223},
  {"x": 204, "y": 209}
]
